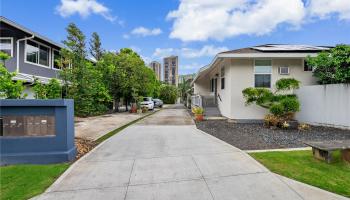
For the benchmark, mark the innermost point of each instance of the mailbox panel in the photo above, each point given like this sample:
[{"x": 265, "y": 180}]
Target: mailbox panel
[{"x": 41, "y": 125}]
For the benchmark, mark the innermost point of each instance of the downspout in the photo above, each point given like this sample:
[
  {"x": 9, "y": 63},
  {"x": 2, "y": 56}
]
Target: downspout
[{"x": 23, "y": 39}]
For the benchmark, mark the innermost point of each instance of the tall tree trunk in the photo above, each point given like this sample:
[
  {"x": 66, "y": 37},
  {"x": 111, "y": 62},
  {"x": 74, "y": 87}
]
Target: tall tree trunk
[{"x": 126, "y": 104}]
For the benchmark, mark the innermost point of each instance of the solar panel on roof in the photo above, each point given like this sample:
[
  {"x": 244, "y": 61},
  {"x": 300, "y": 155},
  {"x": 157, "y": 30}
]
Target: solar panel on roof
[{"x": 283, "y": 47}]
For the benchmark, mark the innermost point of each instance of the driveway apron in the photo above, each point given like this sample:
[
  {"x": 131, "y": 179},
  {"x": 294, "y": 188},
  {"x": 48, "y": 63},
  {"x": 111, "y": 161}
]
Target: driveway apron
[{"x": 165, "y": 157}]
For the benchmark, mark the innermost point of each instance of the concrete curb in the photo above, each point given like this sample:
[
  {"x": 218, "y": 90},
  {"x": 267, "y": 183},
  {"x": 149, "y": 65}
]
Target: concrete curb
[{"x": 272, "y": 150}]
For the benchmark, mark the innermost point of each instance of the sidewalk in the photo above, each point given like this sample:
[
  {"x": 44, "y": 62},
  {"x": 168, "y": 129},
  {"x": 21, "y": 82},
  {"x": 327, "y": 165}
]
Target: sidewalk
[{"x": 92, "y": 128}]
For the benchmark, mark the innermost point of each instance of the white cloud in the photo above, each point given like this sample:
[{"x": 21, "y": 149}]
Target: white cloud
[
  {"x": 136, "y": 49},
  {"x": 126, "y": 36},
  {"x": 200, "y": 20},
  {"x": 205, "y": 51},
  {"x": 84, "y": 8},
  {"x": 324, "y": 8},
  {"x": 142, "y": 31},
  {"x": 146, "y": 59}
]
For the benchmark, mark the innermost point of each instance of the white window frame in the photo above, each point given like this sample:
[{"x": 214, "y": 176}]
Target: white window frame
[
  {"x": 53, "y": 59},
  {"x": 263, "y": 73},
  {"x": 222, "y": 76},
  {"x": 280, "y": 72},
  {"x": 37, "y": 64},
  {"x": 11, "y": 38}
]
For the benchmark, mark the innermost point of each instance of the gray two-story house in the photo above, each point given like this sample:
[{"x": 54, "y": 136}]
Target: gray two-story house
[{"x": 32, "y": 55}]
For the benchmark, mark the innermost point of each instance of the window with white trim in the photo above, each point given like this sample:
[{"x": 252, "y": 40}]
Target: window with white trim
[
  {"x": 262, "y": 73},
  {"x": 283, "y": 70},
  {"x": 222, "y": 77},
  {"x": 37, "y": 53},
  {"x": 6, "y": 45},
  {"x": 56, "y": 59}
]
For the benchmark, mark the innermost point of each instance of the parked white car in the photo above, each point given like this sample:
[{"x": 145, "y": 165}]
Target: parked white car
[{"x": 148, "y": 102}]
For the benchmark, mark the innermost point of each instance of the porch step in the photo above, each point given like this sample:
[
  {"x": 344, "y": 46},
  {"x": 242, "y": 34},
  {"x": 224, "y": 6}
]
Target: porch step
[{"x": 212, "y": 112}]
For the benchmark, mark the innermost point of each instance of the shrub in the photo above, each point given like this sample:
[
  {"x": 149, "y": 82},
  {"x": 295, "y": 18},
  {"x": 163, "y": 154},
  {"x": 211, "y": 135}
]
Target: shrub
[
  {"x": 281, "y": 105},
  {"x": 271, "y": 120},
  {"x": 52, "y": 90},
  {"x": 197, "y": 110},
  {"x": 168, "y": 94},
  {"x": 304, "y": 127},
  {"x": 332, "y": 66},
  {"x": 10, "y": 89},
  {"x": 277, "y": 109},
  {"x": 286, "y": 84},
  {"x": 290, "y": 105}
]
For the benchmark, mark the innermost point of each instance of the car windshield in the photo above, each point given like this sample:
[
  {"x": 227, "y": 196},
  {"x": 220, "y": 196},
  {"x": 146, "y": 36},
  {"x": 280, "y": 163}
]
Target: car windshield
[{"x": 146, "y": 99}]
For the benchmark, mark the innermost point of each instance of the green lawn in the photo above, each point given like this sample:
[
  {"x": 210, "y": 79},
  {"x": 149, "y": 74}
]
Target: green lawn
[
  {"x": 301, "y": 166},
  {"x": 25, "y": 181}
]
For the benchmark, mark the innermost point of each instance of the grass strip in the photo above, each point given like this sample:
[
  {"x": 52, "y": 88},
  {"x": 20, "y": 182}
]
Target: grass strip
[
  {"x": 303, "y": 167},
  {"x": 26, "y": 181},
  {"x": 110, "y": 134}
]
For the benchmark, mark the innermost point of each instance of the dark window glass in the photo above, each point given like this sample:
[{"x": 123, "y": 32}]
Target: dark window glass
[
  {"x": 44, "y": 56},
  {"x": 307, "y": 68},
  {"x": 32, "y": 50},
  {"x": 6, "y": 46},
  {"x": 56, "y": 59},
  {"x": 263, "y": 80},
  {"x": 222, "y": 83},
  {"x": 212, "y": 85}
]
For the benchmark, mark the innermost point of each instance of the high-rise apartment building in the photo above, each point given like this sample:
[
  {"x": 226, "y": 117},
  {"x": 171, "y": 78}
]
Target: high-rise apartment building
[
  {"x": 171, "y": 67},
  {"x": 156, "y": 67}
]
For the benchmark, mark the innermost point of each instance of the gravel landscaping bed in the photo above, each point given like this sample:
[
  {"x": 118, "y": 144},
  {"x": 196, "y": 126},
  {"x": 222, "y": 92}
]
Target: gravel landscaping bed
[{"x": 256, "y": 136}]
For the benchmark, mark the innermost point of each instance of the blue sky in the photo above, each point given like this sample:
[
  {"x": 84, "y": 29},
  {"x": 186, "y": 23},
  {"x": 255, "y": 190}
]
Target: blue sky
[{"x": 195, "y": 30}]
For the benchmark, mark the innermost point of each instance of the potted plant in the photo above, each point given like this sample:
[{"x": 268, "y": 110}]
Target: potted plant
[
  {"x": 198, "y": 113},
  {"x": 144, "y": 109},
  {"x": 133, "y": 108},
  {"x": 138, "y": 105}
]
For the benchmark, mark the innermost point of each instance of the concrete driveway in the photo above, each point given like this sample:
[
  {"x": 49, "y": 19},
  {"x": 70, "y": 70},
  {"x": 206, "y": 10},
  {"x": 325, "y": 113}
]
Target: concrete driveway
[{"x": 165, "y": 157}]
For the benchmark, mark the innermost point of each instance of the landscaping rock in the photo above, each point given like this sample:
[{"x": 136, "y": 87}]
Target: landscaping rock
[{"x": 256, "y": 136}]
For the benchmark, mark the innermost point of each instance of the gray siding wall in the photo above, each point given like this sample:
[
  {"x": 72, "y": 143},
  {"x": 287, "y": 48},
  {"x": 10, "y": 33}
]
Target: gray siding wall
[
  {"x": 33, "y": 69},
  {"x": 27, "y": 68}
]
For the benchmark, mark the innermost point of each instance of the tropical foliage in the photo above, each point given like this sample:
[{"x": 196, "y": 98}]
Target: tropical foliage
[
  {"x": 83, "y": 81},
  {"x": 52, "y": 90},
  {"x": 127, "y": 77},
  {"x": 282, "y": 104},
  {"x": 332, "y": 66},
  {"x": 9, "y": 89},
  {"x": 168, "y": 93}
]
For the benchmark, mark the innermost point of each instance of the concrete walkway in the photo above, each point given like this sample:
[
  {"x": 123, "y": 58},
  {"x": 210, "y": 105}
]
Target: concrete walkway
[
  {"x": 92, "y": 128},
  {"x": 165, "y": 157}
]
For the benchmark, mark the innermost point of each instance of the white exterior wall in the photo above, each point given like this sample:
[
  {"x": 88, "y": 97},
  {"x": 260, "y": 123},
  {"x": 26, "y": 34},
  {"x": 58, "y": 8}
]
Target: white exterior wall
[
  {"x": 29, "y": 91},
  {"x": 242, "y": 74},
  {"x": 325, "y": 105},
  {"x": 239, "y": 74},
  {"x": 202, "y": 87}
]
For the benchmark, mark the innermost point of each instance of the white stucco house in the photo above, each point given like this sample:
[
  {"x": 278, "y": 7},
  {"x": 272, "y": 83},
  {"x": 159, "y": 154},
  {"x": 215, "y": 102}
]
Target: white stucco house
[{"x": 219, "y": 85}]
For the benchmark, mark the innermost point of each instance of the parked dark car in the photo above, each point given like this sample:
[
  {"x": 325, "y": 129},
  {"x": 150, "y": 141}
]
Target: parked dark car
[{"x": 158, "y": 103}]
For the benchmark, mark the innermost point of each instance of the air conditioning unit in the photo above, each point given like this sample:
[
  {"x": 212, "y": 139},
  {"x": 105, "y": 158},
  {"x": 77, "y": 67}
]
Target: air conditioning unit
[{"x": 283, "y": 70}]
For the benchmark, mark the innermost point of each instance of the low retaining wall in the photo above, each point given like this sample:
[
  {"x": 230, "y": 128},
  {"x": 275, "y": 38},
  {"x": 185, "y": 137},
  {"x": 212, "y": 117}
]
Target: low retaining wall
[
  {"x": 327, "y": 105},
  {"x": 36, "y": 131}
]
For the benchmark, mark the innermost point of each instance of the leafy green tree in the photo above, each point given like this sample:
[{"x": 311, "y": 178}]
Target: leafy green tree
[
  {"x": 52, "y": 90},
  {"x": 168, "y": 93},
  {"x": 83, "y": 82},
  {"x": 126, "y": 76},
  {"x": 332, "y": 66},
  {"x": 184, "y": 88},
  {"x": 9, "y": 88},
  {"x": 95, "y": 46}
]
